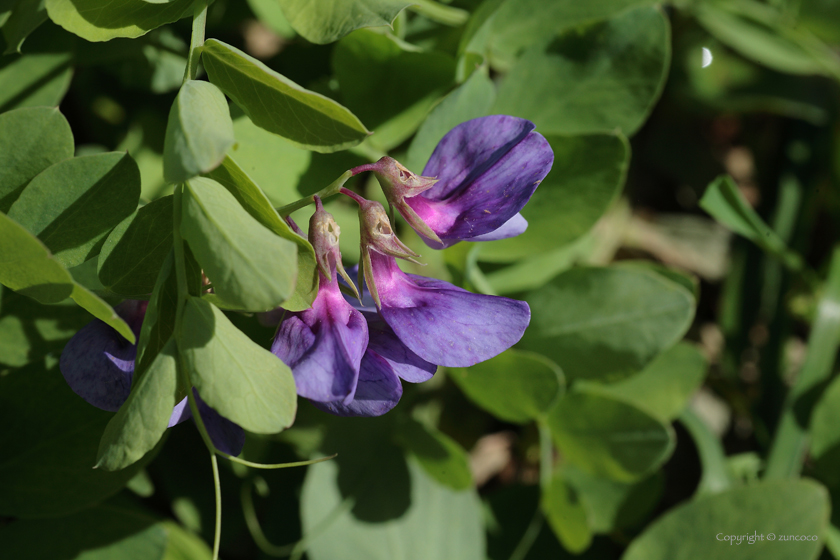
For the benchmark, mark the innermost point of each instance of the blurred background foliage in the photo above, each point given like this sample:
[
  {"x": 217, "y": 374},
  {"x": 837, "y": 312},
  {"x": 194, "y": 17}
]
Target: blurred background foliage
[{"x": 676, "y": 380}]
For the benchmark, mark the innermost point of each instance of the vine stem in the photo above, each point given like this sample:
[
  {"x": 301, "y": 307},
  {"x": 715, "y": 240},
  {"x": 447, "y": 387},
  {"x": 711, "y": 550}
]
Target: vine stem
[
  {"x": 330, "y": 190},
  {"x": 196, "y": 39},
  {"x": 546, "y": 466}
]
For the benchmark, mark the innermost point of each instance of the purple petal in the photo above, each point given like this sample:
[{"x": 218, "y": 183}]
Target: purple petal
[
  {"x": 324, "y": 346},
  {"x": 225, "y": 435},
  {"x": 511, "y": 228},
  {"x": 405, "y": 363},
  {"x": 470, "y": 149},
  {"x": 379, "y": 390},
  {"x": 98, "y": 364},
  {"x": 444, "y": 324},
  {"x": 485, "y": 201}
]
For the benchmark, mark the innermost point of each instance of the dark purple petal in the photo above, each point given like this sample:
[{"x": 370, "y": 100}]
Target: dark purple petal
[
  {"x": 379, "y": 390},
  {"x": 511, "y": 228},
  {"x": 405, "y": 363},
  {"x": 487, "y": 200},
  {"x": 98, "y": 364},
  {"x": 225, "y": 435},
  {"x": 324, "y": 346},
  {"x": 444, "y": 324},
  {"x": 470, "y": 149}
]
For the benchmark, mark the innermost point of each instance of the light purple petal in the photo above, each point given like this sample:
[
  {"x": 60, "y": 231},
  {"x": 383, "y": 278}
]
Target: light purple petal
[
  {"x": 379, "y": 390},
  {"x": 225, "y": 435},
  {"x": 405, "y": 363},
  {"x": 487, "y": 200},
  {"x": 98, "y": 364},
  {"x": 444, "y": 324},
  {"x": 470, "y": 149},
  {"x": 324, "y": 346},
  {"x": 511, "y": 228}
]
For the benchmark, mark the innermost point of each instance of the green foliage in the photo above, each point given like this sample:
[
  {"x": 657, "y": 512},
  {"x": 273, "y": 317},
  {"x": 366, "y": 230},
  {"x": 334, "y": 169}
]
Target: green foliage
[
  {"x": 96, "y": 21},
  {"x": 606, "y": 323},
  {"x": 519, "y": 398},
  {"x": 697, "y": 529},
  {"x": 198, "y": 134},
  {"x": 439, "y": 455},
  {"x": 566, "y": 515},
  {"x": 279, "y": 105},
  {"x": 34, "y": 79},
  {"x": 243, "y": 382},
  {"x": 324, "y": 21},
  {"x": 251, "y": 268}
]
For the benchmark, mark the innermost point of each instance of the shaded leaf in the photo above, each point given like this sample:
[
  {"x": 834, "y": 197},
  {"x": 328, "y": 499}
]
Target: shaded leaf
[
  {"x": 34, "y": 80},
  {"x": 440, "y": 456},
  {"x": 566, "y": 514},
  {"x": 23, "y": 20},
  {"x": 102, "y": 21},
  {"x": 100, "y": 309},
  {"x": 325, "y": 21}
]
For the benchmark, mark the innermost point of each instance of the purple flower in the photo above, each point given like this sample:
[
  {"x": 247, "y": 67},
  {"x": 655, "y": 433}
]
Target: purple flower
[
  {"x": 479, "y": 177},
  {"x": 98, "y": 365},
  {"x": 437, "y": 322}
]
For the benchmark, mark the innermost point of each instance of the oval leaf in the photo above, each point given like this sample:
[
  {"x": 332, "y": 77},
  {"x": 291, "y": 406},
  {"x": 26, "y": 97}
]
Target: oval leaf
[
  {"x": 279, "y": 105},
  {"x": 102, "y": 21},
  {"x": 242, "y": 381},
  {"x": 251, "y": 268},
  {"x": 606, "y": 323},
  {"x": 767, "y": 511},
  {"x": 73, "y": 204},
  {"x": 325, "y": 21},
  {"x": 144, "y": 416},
  {"x": 199, "y": 132},
  {"x": 521, "y": 397},
  {"x": 440, "y": 456},
  {"x": 608, "y": 437},
  {"x": 31, "y": 140}
]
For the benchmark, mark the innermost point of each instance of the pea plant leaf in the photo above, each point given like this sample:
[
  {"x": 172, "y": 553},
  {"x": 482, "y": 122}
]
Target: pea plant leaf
[
  {"x": 254, "y": 201},
  {"x": 100, "y": 309},
  {"x": 617, "y": 66},
  {"x": 242, "y": 381},
  {"x": 277, "y": 104},
  {"x": 135, "y": 250},
  {"x": 251, "y": 267},
  {"x": 440, "y": 456},
  {"x": 72, "y": 205},
  {"x": 144, "y": 416},
  {"x": 325, "y": 21},
  {"x": 199, "y": 132},
  {"x": 606, "y": 323},
  {"x": 607, "y": 437},
  {"x": 102, "y": 21},
  {"x": 34, "y": 80},
  {"x": 31, "y": 140}
]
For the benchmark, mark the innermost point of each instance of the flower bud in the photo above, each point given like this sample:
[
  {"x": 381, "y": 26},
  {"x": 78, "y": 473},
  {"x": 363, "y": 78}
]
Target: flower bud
[{"x": 324, "y": 236}]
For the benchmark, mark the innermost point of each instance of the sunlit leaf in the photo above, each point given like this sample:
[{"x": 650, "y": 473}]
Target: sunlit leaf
[
  {"x": 101, "y": 21},
  {"x": 325, "y": 21}
]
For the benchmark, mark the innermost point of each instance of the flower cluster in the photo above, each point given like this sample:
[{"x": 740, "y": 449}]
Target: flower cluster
[
  {"x": 98, "y": 364},
  {"x": 347, "y": 358}
]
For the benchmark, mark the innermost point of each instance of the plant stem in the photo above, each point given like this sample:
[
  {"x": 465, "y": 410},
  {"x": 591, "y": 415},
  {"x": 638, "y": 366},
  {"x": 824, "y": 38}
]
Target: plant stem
[
  {"x": 441, "y": 13},
  {"x": 268, "y": 466},
  {"x": 196, "y": 39},
  {"x": 218, "y": 486},
  {"x": 330, "y": 190}
]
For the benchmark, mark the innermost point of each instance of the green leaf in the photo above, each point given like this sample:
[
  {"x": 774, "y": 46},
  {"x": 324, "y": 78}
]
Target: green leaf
[
  {"x": 606, "y": 323},
  {"x": 471, "y": 100},
  {"x": 440, "y": 456},
  {"x": 102, "y": 21},
  {"x": 586, "y": 178},
  {"x": 618, "y": 69},
  {"x": 665, "y": 386},
  {"x": 31, "y": 140},
  {"x": 609, "y": 438},
  {"x": 73, "y": 204},
  {"x": 254, "y": 201},
  {"x": 50, "y": 449},
  {"x": 242, "y": 381},
  {"x": 14, "y": 346},
  {"x": 144, "y": 416},
  {"x": 716, "y": 475},
  {"x": 28, "y": 267},
  {"x": 566, "y": 514},
  {"x": 184, "y": 545},
  {"x": 251, "y": 267},
  {"x": 270, "y": 13},
  {"x": 99, "y": 533},
  {"x": 760, "y": 33},
  {"x": 724, "y": 203},
  {"x": 685, "y": 279},
  {"x": 325, "y": 21},
  {"x": 97, "y": 307},
  {"x": 134, "y": 251},
  {"x": 825, "y": 434},
  {"x": 279, "y": 105},
  {"x": 34, "y": 79},
  {"x": 439, "y": 522},
  {"x": 612, "y": 505},
  {"x": 27, "y": 16},
  {"x": 778, "y": 508},
  {"x": 517, "y": 24},
  {"x": 199, "y": 132},
  {"x": 390, "y": 89},
  {"x": 518, "y": 398}
]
